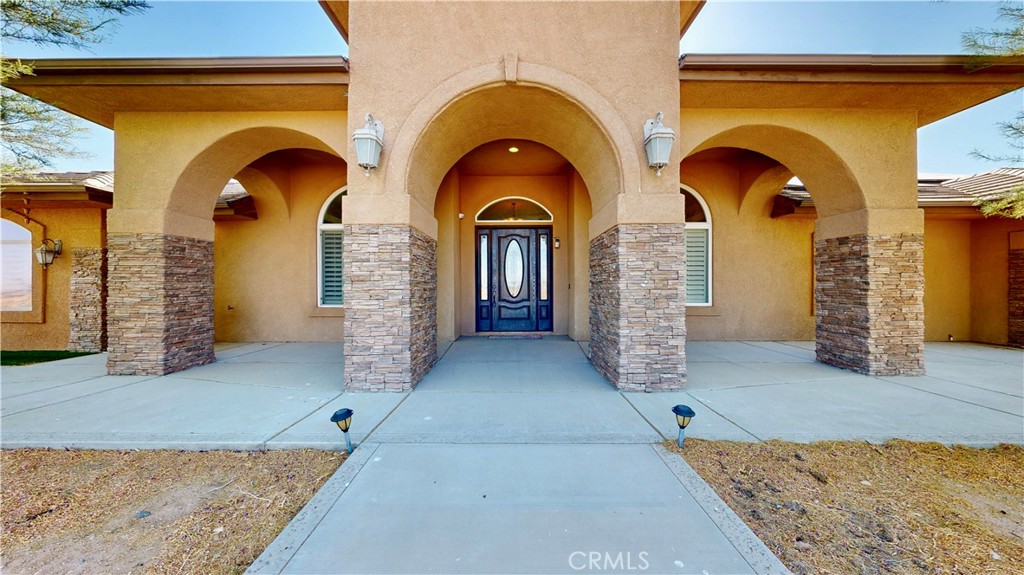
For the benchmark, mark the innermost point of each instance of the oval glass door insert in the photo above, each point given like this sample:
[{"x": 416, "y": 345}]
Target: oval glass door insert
[{"x": 514, "y": 268}]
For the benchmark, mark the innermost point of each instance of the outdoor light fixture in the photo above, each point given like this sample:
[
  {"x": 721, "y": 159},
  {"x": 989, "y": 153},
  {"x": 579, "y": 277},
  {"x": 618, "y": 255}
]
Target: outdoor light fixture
[
  {"x": 683, "y": 416},
  {"x": 558, "y": 243},
  {"x": 46, "y": 251},
  {"x": 343, "y": 418},
  {"x": 369, "y": 142},
  {"x": 513, "y": 149},
  {"x": 658, "y": 142}
]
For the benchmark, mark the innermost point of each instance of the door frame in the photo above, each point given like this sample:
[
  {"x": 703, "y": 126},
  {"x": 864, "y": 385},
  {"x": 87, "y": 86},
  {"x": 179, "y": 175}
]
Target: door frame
[{"x": 492, "y": 273}]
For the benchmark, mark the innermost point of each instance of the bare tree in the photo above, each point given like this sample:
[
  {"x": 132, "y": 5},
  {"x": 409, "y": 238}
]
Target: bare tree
[
  {"x": 33, "y": 133},
  {"x": 987, "y": 45}
]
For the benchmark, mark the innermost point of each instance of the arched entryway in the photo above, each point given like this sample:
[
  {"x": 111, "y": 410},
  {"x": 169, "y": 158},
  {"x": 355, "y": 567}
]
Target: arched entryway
[
  {"x": 790, "y": 274},
  {"x": 161, "y": 248},
  {"x": 512, "y": 249},
  {"x": 613, "y": 244}
]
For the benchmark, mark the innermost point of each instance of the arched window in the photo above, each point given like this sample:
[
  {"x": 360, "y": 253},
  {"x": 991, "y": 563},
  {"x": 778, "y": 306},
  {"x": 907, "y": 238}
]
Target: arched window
[
  {"x": 16, "y": 275},
  {"x": 330, "y": 240},
  {"x": 698, "y": 248},
  {"x": 513, "y": 209}
]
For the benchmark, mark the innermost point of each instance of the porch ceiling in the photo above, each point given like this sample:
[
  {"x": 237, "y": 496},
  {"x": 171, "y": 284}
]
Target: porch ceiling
[
  {"x": 95, "y": 89},
  {"x": 934, "y": 86}
]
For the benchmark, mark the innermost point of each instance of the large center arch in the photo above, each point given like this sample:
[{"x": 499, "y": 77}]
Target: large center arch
[
  {"x": 542, "y": 104},
  {"x": 827, "y": 176}
]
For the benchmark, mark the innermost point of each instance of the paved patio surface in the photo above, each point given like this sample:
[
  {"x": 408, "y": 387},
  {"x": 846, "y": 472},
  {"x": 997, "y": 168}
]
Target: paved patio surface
[{"x": 512, "y": 455}]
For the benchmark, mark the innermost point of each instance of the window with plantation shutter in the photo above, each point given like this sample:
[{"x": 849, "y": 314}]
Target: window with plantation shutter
[
  {"x": 698, "y": 249},
  {"x": 697, "y": 266},
  {"x": 330, "y": 253},
  {"x": 330, "y": 267}
]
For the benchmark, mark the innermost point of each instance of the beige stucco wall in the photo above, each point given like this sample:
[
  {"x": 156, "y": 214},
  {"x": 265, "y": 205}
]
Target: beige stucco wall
[
  {"x": 515, "y": 71},
  {"x": 578, "y": 253},
  {"x": 860, "y": 165},
  {"x": 449, "y": 268},
  {"x": 989, "y": 257},
  {"x": 947, "y": 280},
  {"x": 762, "y": 267},
  {"x": 171, "y": 165},
  {"x": 265, "y": 270},
  {"x": 76, "y": 228}
]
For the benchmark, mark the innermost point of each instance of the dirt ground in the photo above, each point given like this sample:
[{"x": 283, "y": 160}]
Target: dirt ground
[
  {"x": 149, "y": 511},
  {"x": 857, "y": 508},
  {"x": 823, "y": 508}
]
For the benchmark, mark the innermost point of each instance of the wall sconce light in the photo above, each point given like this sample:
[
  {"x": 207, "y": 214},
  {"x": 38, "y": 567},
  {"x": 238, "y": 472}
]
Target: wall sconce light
[
  {"x": 683, "y": 416},
  {"x": 658, "y": 142},
  {"x": 369, "y": 142},
  {"x": 558, "y": 243},
  {"x": 343, "y": 419},
  {"x": 47, "y": 251}
]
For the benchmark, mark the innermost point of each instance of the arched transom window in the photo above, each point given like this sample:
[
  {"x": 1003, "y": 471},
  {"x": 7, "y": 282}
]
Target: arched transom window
[
  {"x": 330, "y": 241},
  {"x": 513, "y": 209},
  {"x": 16, "y": 274},
  {"x": 698, "y": 248}
]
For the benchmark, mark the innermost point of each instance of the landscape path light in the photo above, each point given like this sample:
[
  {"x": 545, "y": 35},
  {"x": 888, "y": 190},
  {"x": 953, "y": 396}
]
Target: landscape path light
[
  {"x": 343, "y": 418},
  {"x": 683, "y": 416}
]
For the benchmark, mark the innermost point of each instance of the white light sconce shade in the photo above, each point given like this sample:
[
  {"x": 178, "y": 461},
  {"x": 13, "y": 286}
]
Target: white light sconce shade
[
  {"x": 46, "y": 251},
  {"x": 369, "y": 142},
  {"x": 658, "y": 142}
]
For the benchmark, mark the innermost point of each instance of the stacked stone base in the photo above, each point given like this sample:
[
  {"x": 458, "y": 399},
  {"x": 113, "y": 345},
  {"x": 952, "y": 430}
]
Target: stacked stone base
[
  {"x": 869, "y": 293},
  {"x": 159, "y": 303},
  {"x": 88, "y": 300},
  {"x": 638, "y": 306},
  {"x": 1015, "y": 322},
  {"x": 390, "y": 307}
]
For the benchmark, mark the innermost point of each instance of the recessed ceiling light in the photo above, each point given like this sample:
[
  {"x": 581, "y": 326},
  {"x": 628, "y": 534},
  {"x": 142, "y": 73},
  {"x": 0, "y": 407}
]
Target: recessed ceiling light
[{"x": 513, "y": 149}]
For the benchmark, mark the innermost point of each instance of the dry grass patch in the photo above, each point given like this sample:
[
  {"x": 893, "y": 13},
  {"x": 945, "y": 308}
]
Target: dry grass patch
[
  {"x": 853, "y": 507},
  {"x": 149, "y": 511}
]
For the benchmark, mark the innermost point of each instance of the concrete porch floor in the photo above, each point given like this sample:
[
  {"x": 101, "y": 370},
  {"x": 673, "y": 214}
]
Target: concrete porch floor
[
  {"x": 517, "y": 451},
  {"x": 280, "y": 396}
]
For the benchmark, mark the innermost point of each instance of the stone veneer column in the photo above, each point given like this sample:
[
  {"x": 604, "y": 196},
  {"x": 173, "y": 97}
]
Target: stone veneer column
[
  {"x": 159, "y": 303},
  {"x": 390, "y": 306},
  {"x": 88, "y": 300},
  {"x": 869, "y": 293},
  {"x": 638, "y": 306},
  {"x": 1015, "y": 321}
]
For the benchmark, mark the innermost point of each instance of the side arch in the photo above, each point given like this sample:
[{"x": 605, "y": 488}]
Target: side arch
[
  {"x": 200, "y": 182},
  {"x": 827, "y": 176}
]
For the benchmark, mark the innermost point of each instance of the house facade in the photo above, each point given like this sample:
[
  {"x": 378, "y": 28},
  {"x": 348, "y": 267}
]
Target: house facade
[{"x": 514, "y": 194}]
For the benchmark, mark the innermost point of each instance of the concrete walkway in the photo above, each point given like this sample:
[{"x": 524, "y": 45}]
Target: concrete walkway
[{"x": 513, "y": 455}]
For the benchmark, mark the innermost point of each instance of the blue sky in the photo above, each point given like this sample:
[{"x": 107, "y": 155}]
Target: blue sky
[{"x": 299, "y": 27}]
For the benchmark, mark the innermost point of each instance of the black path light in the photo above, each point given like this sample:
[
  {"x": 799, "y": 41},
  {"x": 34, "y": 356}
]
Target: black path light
[
  {"x": 343, "y": 417},
  {"x": 683, "y": 416}
]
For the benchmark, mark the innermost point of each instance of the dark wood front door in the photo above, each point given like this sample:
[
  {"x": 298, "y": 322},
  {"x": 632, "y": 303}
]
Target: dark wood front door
[{"x": 513, "y": 279}]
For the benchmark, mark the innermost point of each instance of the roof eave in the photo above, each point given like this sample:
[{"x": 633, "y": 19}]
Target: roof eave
[{"x": 96, "y": 89}]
